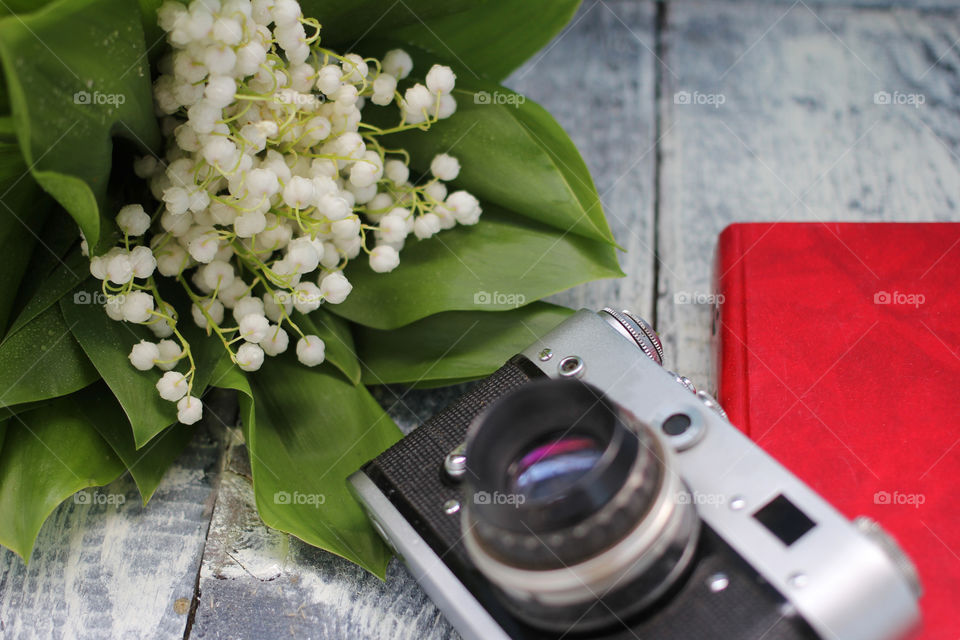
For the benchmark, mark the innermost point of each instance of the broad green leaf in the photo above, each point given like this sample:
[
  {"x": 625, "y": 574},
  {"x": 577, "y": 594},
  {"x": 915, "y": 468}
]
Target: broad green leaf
[
  {"x": 41, "y": 361},
  {"x": 147, "y": 465},
  {"x": 23, "y": 209},
  {"x": 48, "y": 455},
  {"x": 22, "y": 408},
  {"x": 77, "y": 74},
  {"x": 511, "y": 151},
  {"x": 500, "y": 263},
  {"x": 346, "y": 21},
  {"x": 3, "y": 433},
  {"x": 307, "y": 429},
  {"x": 485, "y": 38},
  {"x": 152, "y": 32},
  {"x": 59, "y": 234},
  {"x": 227, "y": 375},
  {"x": 21, "y": 6},
  {"x": 62, "y": 280},
  {"x": 335, "y": 333},
  {"x": 7, "y": 133},
  {"x": 490, "y": 39},
  {"x": 107, "y": 343},
  {"x": 455, "y": 346}
]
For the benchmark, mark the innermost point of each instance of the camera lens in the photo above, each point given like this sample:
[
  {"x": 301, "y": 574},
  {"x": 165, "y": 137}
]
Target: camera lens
[
  {"x": 570, "y": 498},
  {"x": 553, "y": 467},
  {"x": 548, "y": 457}
]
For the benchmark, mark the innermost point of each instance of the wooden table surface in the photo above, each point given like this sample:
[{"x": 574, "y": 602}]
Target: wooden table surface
[{"x": 781, "y": 124}]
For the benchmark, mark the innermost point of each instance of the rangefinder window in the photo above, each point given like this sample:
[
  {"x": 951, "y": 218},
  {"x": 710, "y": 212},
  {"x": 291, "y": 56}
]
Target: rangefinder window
[{"x": 783, "y": 519}]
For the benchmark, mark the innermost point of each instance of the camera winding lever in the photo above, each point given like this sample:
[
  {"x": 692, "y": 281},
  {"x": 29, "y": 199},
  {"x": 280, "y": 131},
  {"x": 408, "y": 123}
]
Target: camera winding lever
[{"x": 635, "y": 328}]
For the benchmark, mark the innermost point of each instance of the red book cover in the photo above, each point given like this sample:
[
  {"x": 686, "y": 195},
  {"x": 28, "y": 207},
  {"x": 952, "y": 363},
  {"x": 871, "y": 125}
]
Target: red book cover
[{"x": 838, "y": 351}]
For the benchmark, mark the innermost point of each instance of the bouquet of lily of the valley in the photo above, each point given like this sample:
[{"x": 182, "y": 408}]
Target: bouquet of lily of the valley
[{"x": 290, "y": 200}]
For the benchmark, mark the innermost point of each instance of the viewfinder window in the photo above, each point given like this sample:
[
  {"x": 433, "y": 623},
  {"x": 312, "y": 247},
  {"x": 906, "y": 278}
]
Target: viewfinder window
[{"x": 784, "y": 520}]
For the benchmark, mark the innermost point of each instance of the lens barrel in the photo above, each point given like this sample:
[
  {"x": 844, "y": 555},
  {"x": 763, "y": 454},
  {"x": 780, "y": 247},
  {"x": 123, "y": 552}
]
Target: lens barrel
[
  {"x": 568, "y": 499},
  {"x": 536, "y": 504}
]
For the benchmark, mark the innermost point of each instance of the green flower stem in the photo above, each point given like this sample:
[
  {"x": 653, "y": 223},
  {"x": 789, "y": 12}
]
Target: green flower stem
[
  {"x": 211, "y": 325},
  {"x": 185, "y": 350}
]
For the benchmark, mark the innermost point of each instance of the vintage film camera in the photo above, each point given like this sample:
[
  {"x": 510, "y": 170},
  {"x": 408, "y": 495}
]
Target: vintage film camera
[{"x": 584, "y": 491}]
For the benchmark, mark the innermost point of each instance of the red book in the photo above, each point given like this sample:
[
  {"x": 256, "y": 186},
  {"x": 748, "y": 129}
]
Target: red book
[{"x": 838, "y": 351}]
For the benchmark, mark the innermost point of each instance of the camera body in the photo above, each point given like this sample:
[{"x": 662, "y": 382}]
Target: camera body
[{"x": 583, "y": 490}]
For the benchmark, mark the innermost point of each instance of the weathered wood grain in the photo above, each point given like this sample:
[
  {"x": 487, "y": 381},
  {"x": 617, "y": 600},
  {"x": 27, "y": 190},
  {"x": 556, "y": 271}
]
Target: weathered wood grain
[
  {"x": 256, "y": 582},
  {"x": 798, "y": 135},
  {"x": 867, "y": 4},
  {"x": 113, "y": 570}
]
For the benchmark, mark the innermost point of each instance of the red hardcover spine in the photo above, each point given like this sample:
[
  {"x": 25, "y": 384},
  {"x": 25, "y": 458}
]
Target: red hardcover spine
[{"x": 729, "y": 331}]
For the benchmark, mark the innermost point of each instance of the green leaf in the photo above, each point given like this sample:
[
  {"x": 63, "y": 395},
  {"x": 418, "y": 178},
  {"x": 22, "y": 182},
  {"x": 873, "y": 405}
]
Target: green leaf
[
  {"x": 455, "y": 346},
  {"x": 59, "y": 234},
  {"x": 148, "y": 465},
  {"x": 152, "y": 32},
  {"x": 346, "y": 21},
  {"x": 482, "y": 37},
  {"x": 77, "y": 73},
  {"x": 41, "y": 361},
  {"x": 490, "y": 39},
  {"x": 23, "y": 209},
  {"x": 500, "y": 263},
  {"x": 21, "y": 6},
  {"x": 48, "y": 455},
  {"x": 62, "y": 280},
  {"x": 511, "y": 151},
  {"x": 107, "y": 343},
  {"x": 22, "y": 408},
  {"x": 7, "y": 132},
  {"x": 335, "y": 333},
  {"x": 307, "y": 429}
]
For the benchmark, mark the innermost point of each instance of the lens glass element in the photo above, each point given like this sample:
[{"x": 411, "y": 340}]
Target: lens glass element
[{"x": 548, "y": 469}]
